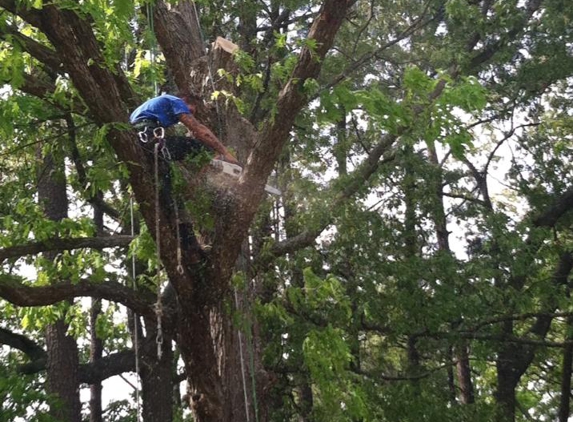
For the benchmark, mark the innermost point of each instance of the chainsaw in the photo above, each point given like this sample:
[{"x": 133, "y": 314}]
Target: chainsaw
[{"x": 235, "y": 171}]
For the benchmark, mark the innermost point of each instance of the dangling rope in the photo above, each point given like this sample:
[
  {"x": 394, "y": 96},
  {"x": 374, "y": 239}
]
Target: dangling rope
[
  {"x": 158, "y": 304},
  {"x": 135, "y": 318},
  {"x": 152, "y": 48},
  {"x": 209, "y": 67},
  {"x": 243, "y": 369}
]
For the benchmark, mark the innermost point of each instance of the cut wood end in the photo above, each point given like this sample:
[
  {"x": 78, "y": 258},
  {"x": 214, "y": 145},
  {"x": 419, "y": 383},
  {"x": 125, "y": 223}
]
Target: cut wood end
[{"x": 226, "y": 45}]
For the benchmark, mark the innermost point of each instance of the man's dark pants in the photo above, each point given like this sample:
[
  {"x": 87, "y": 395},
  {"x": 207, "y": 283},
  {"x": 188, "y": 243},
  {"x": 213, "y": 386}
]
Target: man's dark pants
[{"x": 178, "y": 148}]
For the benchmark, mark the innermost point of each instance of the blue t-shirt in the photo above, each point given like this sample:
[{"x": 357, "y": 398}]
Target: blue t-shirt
[{"x": 166, "y": 109}]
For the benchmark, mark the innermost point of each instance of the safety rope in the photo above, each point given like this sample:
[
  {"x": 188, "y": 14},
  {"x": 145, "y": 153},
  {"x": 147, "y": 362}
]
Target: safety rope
[
  {"x": 135, "y": 318},
  {"x": 159, "y": 146},
  {"x": 152, "y": 47},
  {"x": 243, "y": 370},
  {"x": 209, "y": 68},
  {"x": 158, "y": 304}
]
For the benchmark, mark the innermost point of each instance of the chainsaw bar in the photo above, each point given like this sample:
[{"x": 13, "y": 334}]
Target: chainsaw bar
[{"x": 235, "y": 171}]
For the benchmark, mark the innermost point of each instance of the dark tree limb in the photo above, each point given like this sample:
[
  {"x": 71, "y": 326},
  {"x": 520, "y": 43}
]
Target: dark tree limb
[
  {"x": 555, "y": 211},
  {"x": 91, "y": 373},
  {"x": 40, "y": 52},
  {"x": 21, "y": 295},
  {"x": 65, "y": 245},
  {"x": 107, "y": 367},
  {"x": 22, "y": 343}
]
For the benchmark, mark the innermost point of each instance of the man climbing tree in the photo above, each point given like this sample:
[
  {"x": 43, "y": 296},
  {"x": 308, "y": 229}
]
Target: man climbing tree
[
  {"x": 153, "y": 120},
  {"x": 167, "y": 110}
]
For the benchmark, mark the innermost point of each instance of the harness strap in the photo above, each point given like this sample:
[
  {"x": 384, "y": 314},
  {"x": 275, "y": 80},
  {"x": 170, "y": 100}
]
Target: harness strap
[{"x": 155, "y": 133}]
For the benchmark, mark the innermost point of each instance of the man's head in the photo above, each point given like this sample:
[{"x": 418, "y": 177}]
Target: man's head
[{"x": 191, "y": 100}]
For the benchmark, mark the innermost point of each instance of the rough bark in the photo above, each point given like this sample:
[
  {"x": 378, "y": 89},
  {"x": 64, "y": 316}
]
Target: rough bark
[
  {"x": 96, "y": 351},
  {"x": 62, "y": 379},
  {"x": 156, "y": 379},
  {"x": 565, "y": 399}
]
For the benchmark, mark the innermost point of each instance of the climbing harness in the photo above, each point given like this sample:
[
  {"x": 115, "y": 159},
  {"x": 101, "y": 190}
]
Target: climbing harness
[{"x": 155, "y": 134}]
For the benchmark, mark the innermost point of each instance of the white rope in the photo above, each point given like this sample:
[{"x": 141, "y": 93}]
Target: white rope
[
  {"x": 243, "y": 369},
  {"x": 158, "y": 305},
  {"x": 209, "y": 67},
  {"x": 180, "y": 269},
  {"x": 135, "y": 318},
  {"x": 152, "y": 49}
]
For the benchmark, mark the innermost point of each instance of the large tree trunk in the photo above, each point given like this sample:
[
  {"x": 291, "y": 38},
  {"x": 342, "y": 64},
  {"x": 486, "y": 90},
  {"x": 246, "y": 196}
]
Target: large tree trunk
[
  {"x": 62, "y": 378},
  {"x": 63, "y": 363},
  {"x": 96, "y": 353},
  {"x": 156, "y": 379},
  {"x": 565, "y": 399}
]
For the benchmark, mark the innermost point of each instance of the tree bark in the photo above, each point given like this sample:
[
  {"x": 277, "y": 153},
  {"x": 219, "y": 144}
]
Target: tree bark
[
  {"x": 565, "y": 399},
  {"x": 62, "y": 354},
  {"x": 156, "y": 379},
  {"x": 96, "y": 351}
]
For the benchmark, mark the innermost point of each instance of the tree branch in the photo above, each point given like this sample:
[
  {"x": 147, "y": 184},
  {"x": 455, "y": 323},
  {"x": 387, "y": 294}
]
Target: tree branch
[
  {"x": 553, "y": 213},
  {"x": 22, "y": 343},
  {"x": 90, "y": 373},
  {"x": 43, "y": 54},
  {"x": 18, "y": 294},
  {"x": 64, "y": 245},
  {"x": 107, "y": 367}
]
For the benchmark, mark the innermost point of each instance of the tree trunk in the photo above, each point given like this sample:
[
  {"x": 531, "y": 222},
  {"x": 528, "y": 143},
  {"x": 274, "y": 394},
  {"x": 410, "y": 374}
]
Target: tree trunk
[
  {"x": 507, "y": 378},
  {"x": 565, "y": 399},
  {"x": 156, "y": 379},
  {"x": 96, "y": 349},
  {"x": 464, "y": 373},
  {"x": 62, "y": 377},
  {"x": 63, "y": 363}
]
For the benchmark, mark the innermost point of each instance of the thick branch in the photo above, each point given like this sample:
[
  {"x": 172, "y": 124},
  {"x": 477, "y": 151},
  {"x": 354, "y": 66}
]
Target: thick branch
[
  {"x": 179, "y": 49},
  {"x": 18, "y": 294},
  {"x": 30, "y": 15},
  {"x": 91, "y": 373},
  {"x": 553, "y": 213},
  {"x": 40, "y": 52},
  {"x": 64, "y": 245},
  {"x": 22, "y": 343},
  {"x": 107, "y": 367}
]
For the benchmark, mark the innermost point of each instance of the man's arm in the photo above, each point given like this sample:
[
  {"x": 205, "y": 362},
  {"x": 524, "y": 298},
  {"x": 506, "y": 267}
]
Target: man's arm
[{"x": 203, "y": 134}]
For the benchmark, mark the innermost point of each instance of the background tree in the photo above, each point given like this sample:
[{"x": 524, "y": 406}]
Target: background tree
[{"x": 415, "y": 267}]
